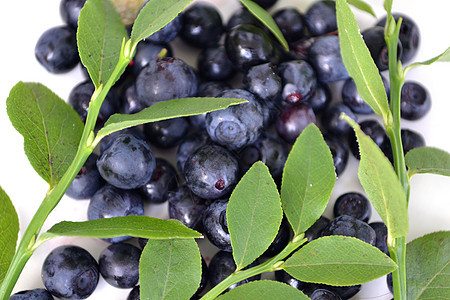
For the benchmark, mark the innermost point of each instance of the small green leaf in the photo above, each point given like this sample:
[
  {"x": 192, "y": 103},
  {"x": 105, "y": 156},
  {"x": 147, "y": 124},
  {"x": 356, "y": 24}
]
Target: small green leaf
[
  {"x": 264, "y": 290},
  {"x": 50, "y": 127},
  {"x": 170, "y": 269},
  {"x": 253, "y": 215},
  {"x": 308, "y": 179},
  {"x": 154, "y": 16},
  {"x": 381, "y": 184},
  {"x": 443, "y": 57},
  {"x": 428, "y": 160},
  {"x": 138, "y": 226},
  {"x": 262, "y": 15},
  {"x": 358, "y": 61},
  {"x": 100, "y": 35},
  {"x": 338, "y": 260},
  {"x": 428, "y": 267},
  {"x": 388, "y": 6},
  {"x": 9, "y": 229},
  {"x": 361, "y": 5},
  {"x": 166, "y": 110}
]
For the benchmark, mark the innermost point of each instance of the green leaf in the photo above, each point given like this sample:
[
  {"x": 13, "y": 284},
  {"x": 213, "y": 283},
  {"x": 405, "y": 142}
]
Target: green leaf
[
  {"x": 170, "y": 269},
  {"x": 388, "y": 6},
  {"x": 338, "y": 260},
  {"x": 138, "y": 226},
  {"x": 443, "y": 57},
  {"x": 50, "y": 127},
  {"x": 361, "y": 5},
  {"x": 264, "y": 290},
  {"x": 428, "y": 160},
  {"x": 154, "y": 16},
  {"x": 100, "y": 35},
  {"x": 262, "y": 15},
  {"x": 9, "y": 229},
  {"x": 428, "y": 267},
  {"x": 308, "y": 179},
  {"x": 253, "y": 215},
  {"x": 381, "y": 184},
  {"x": 166, "y": 110},
  {"x": 358, "y": 61}
]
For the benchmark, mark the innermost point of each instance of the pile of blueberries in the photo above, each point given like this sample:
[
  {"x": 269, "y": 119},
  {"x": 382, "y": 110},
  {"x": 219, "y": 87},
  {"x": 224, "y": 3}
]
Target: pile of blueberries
[{"x": 239, "y": 58}]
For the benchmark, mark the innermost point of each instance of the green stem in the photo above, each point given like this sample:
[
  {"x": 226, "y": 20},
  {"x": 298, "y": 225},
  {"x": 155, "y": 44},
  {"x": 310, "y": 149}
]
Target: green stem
[{"x": 268, "y": 266}]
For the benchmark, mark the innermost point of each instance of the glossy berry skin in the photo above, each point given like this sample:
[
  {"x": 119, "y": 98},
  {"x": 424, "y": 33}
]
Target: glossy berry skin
[
  {"x": 146, "y": 52},
  {"x": 411, "y": 139},
  {"x": 87, "y": 182},
  {"x": 283, "y": 276},
  {"x": 163, "y": 181},
  {"x": 187, "y": 208},
  {"x": 238, "y": 125},
  {"x": 415, "y": 101},
  {"x": 351, "y": 226},
  {"x": 293, "y": 120},
  {"x": 201, "y": 25},
  {"x": 353, "y": 204},
  {"x": 129, "y": 102},
  {"x": 221, "y": 266},
  {"x": 409, "y": 36},
  {"x": 166, "y": 133},
  {"x": 211, "y": 172},
  {"x": 299, "y": 80},
  {"x": 189, "y": 145},
  {"x": 291, "y": 24},
  {"x": 381, "y": 232},
  {"x": 315, "y": 231},
  {"x": 213, "y": 64},
  {"x": 263, "y": 80},
  {"x": 166, "y": 34},
  {"x": 128, "y": 163},
  {"x": 135, "y": 293},
  {"x": 70, "y": 272},
  {"x": 119, "y": 265},
  {"x": 56, "y": 49},
  {"x": 70, "y": 10},
  {"x": 215, "y": 225},
  {"x": 320, "y": 98},
  {"x": 247, "y": 46},
  {"x": 320, "y": 18},
  {"x": 339, "y": 151},
  {"x": 374, "y": 39},
  {"x": 325, "y": 56},
  {"x": 111, "y": 202},
  {"x": 36, "y": 294},
  {"x": 164, "y": 79},
  {"x": 375, "y": 131},
  {"x": 333, "y": 124}
]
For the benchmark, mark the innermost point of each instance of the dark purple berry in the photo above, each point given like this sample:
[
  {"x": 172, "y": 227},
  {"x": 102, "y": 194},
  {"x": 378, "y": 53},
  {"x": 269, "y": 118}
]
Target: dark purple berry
[
  {"x": 332, "y": 122},
  {"x": 163, "y": 181},
  {"x": 293, "y": 120},
  {"x": 291, "y": 24},
  {"x": 147, "y": 52},
  {"x": 189, "y": 145},
  {"x": 167, "y": 33},
  {"x": 374, "y": 39},
  {"x": 375, "y": 131},
  {"x": 351, "y": 226},
  {"x": 320, "y": 98},
  {"x": 353, "y": 204},
  {"x": 166, "y": 133},
  {"x": 187, "y": 207},
  {"x": 339, "y": 151},
  {"x": 411, "y": 139},
  {"x": 299, "y": 80},
  {"x": 415, "y": 101},
  {"x": 134, "y": 294},
  {"x": 36, "y": 294},
  {"x": 70, "y": 10},
  {"x": 381, "y": 232},
  {"x": 215, "y": 225},
  {"x": 320, "y": 18},
  {"x": 213, "y": 64},
  {"x": 315, "y": 231},
  {"x": 263, "y": 80},
  {"x": 87, "y": 182}
]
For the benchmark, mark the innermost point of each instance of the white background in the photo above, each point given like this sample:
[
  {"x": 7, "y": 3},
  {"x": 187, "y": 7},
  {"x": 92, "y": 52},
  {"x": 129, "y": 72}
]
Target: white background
[{"x": 21, "y": 24}]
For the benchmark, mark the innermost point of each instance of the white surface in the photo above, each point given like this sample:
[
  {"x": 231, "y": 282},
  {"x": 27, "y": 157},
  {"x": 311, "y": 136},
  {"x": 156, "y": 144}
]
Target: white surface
[{"x": 21, "y": 24}]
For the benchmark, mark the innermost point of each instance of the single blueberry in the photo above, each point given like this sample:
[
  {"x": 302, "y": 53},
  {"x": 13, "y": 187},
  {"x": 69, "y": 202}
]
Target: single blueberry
[
  {"x": 263, "y": 81},
  {"x": 332, "y": 122},
  {"x": 375, "y": 131},
  {"x": 166, "y": 133},
  {"x": 70, "y": 10},
  {"x": 87, "y": 182},
  {"x": 135, "y": 293},
  {"x": 415, "y": 101},
  {"x": 293, "y": 120},
  {"x": 290, "y": 22},
  {"x": 299, "y": 80},
  {"x": 351, "y": 226},
  {"x": 339, "y": 151},
  {"x": 167, "y": 33},
  {"x": 320, "y": 18},
  {"x": 36, "y": 294},
  {"x": 163, "y": 181},
  {"x": 315, "y": 231},
  {"x": 213, "y": 64},
  {"x": 147, "y": 52},
  {"x": 381, "y": 232},
  {"x": 320, "y": 98},
  {"x": 215, "y": 225},
  {"x": 353, "y": 204}
]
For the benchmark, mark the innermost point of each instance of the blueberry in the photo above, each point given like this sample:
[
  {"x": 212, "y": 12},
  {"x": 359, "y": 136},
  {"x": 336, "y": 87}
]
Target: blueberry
[
  {"x": 36, "y": 294},
  {"x": 187, "y": 207},
  {"x": 111, "y": 202},
  {"x": 127, "y": 163},
  {"x": 211, "y": 172},
  {"x": 290, "y": 22},
  {"x": 375, "y": 131},
  {"x": 56, "y": 49},
  {"x": 167, "y": 33},
  {"x": 129, "y": 102},
  {"x": 201, "y": 25},
  {"x": 108, "y": 140},
  {"x": 315, "y": 231},
  {"x": 299, "y": 80},
  {"x": 293, "y": 119},
  {"x": 320, "y": 98},
  {"x": 134, "y": 294},
  {"x": 339, "y": 151},
  {"x": 70, "y": 10},
  {"x": 390, "y": 283},
  {"x": 263, "y": 80},
  {"x": 242, "y": 16},
  {"x": 164, "y": 79},
  {"x": 213, "y": 64},
  {"x": 331, "y": 121},
  {"x": 189, "y": 145},
  {"x": 280, "y": 241},
  {"x": 324, "y": 294},
  {"x": 163, "y": 181},
  {"x": 353, "y": 204},
  {"x": 320, "y": 18},
  {"x": 345, "y": 292},
  {"x": 351, "y": 226},
  {"x": 238, "y": 125},
  {"x": 415, "y": 101},
  {"x": 266, "y": 3},
  {"x": 221, "y": 266},
  {"x": 248, "y": 45},
  {"x": 374, "y": 39},
  {"x": 145, "y": 53},
  {"x": 166, "y": 133},
  {"x": 215, "y": 225},
  {"x": 381, "y": 232},
  {"x": 411, "y": 139},
  {"x": 70, "y": 272},
  {"x": 119, "y": 265},
  {"x": 283, "y": 276},
  {"x": 87, "y": 182}
]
